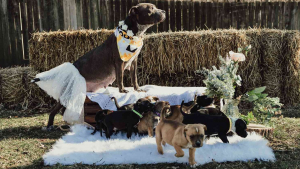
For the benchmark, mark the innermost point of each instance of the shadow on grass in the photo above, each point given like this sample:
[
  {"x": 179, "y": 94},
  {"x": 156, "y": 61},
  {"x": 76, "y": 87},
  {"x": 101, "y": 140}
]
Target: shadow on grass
[{"x": 30, "y": 132}]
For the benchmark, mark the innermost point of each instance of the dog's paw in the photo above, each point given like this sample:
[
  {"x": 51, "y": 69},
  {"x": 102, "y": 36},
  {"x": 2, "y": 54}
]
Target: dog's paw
[
  {"x": 179, "y": 155},
  {"x": 139, "y": 90},
  {"x": 123, "y": 91},
  {"x": 193, "y": 165}
]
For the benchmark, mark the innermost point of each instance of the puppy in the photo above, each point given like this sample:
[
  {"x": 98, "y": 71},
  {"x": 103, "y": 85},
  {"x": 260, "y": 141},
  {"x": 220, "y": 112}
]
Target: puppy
[
  {"x": 220, "y": 125},
  {"x": 126, "y": 119},
  {"x": 202, "y": 102},
  {"x": 99, "y": 120},
  {"x": 179, "y": 136},
  {"x": 151, "y": 99},
  {"x": 147, "y": 123},
  {"x": 175, "y": 113}
]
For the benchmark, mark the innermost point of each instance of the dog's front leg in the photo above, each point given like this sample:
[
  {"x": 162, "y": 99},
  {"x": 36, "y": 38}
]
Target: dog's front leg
[
  {"x": 120, "y": 76},
  {"x": 133, "y": 75},
  {"x": 192, "y": 157},
  {"x": 179, "y": 151},
  {"x": 223, "y": 137}
]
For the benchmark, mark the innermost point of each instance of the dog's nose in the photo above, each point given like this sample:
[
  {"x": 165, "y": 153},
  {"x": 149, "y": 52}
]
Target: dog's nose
[
  {"x": 163, "y": 11},
  {"x": 198, "y": 143}
]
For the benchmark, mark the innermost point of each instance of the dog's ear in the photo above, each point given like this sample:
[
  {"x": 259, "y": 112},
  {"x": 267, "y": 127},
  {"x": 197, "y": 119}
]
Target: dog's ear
[
  {"x": 133, "y": 11},
  {"x": 155, "y": 98},
  {"x": 205, "y": 128}
]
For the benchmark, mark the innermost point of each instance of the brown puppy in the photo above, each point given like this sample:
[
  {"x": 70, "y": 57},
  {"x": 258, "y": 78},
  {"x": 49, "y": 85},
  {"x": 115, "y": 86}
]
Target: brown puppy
[
  {"x": 147, "y": 123},
  {"x": 175, "y": 111},
  {"x": 179, "y": 136}
]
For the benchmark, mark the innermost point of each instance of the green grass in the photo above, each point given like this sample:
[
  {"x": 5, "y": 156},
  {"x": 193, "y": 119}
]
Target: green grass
[{"x": 23, "y": 143}]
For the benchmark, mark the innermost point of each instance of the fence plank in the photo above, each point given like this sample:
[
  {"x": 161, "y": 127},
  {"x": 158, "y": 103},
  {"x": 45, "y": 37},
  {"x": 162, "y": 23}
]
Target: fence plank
[
  {"x": 234, "y": 15},
  {"x": 123, "y": 10},
  {"x": 275, "y": 15},
  {"x": 37, "y": 20},
  {"x": 293, "y": 13},
  {"x": 85, "y": 14},
  {"x": 197, "y": 15},
  {"x": 251, "y": 14},
  {"x": 226, "y": 16},
  {"x": 24, "y": 29},
  {"x": 203, "y": 15},
  {"x": 2, "y": 56},
  {"x": 209, "y": 15},
  {"x": 257, "y": 12},
  {"x": 214, "y": 15},
  {"x": 117, "y": 12},
  {"x": 94, "y": 14},
  {"x": 286, "y": 16},
  {"x": 166, "y": 23},
  {"x": 15, "y": 32},
  {"x": 270, "y": 15},
  {"x": 79, "y": 14},
  {"x": 191, "y": 16},
  {"x": 178, "y": 15}
]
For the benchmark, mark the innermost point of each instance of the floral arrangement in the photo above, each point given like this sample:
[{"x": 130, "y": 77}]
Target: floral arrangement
[{"x": 221, "y": 82}]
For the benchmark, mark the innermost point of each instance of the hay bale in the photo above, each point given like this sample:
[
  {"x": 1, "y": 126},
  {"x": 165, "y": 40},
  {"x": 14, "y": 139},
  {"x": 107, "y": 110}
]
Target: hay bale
[
  {"x": 170, "y": 58},
  {"x": 50, "y": 49},
  {"x": 18, "y": 92}
]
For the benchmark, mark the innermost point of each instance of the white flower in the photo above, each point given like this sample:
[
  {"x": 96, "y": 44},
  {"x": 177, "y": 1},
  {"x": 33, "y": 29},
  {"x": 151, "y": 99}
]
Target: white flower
[
  {"x": 237, "y": 56},
  {"x": 129, "y": 33},
  {"x": 124, "y": 27},
  {"x": 121, "y": 23}
]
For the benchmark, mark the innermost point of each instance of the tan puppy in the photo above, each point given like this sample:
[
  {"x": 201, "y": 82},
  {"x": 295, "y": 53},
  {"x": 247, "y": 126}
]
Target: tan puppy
[
  {"x": 147, "y": 123},
  {"x": 179, "y": 136},
  {"x": 176, "y": 115}
]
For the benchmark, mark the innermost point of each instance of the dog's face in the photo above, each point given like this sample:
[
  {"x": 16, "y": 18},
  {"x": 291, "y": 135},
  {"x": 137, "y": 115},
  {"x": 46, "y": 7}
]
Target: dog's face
[
  {"x": 204, "y": 101},
  {"x": 143, "y": 106},
  {"x": 147, "y": 14},
  {"x": 160, "y": 105},
  {"x": 240, "y": 128},
  {"x": 151, "y": 99},
  {"x": 195, "y": 134}
]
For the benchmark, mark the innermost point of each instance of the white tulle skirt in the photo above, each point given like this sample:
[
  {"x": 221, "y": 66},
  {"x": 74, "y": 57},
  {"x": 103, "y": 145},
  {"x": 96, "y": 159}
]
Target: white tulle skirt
[{"x": 65, "y": 84}]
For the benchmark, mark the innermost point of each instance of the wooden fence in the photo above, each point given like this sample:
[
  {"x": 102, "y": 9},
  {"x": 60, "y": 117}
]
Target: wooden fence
[{"x": 20, "y": 18}]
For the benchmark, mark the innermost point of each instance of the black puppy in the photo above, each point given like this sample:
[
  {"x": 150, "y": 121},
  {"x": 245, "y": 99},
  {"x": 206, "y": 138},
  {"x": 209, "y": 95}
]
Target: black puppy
[
  {"x": 219, "y": 125},
  {"x": 126, "y": 119},
  {"x": 99, "y": 120},
  {"x": 202, "y": 101}
]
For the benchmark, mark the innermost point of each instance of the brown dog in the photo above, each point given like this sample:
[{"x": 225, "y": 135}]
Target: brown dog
[
  {"x": 147, "y": 123},
  {"x": 104, "y": 64},
  {"x": 179, "y": 136},
  {"x": 175, "y": 113}
]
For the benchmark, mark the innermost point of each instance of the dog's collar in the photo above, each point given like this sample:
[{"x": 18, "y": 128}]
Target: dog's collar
[
  {"x": 128, "y": 44},
  {"x": 157, "y": 113},
  {"x": 137, "y": 113},
  {"x": 231, "y": 124}
]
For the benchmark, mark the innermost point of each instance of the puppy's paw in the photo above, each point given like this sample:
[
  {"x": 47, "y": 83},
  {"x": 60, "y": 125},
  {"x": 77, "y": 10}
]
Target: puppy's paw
[
  {"x": 179, "y": 155},
  {"x": 194, "y": 165},
  {"x": 139, "y": 90}
]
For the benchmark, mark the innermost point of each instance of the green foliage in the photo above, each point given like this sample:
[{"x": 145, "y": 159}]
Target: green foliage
[
  {"x": 248, "y": 118},
  {"x": 264, "y": 107}
]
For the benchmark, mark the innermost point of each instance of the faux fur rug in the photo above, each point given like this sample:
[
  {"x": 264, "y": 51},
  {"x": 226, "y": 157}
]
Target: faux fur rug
[{"x": 79, "y": 146}]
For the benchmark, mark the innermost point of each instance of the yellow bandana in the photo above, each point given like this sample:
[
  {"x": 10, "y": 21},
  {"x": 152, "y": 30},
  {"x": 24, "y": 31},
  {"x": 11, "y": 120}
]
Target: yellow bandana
[{"x": 128, "y": 46}]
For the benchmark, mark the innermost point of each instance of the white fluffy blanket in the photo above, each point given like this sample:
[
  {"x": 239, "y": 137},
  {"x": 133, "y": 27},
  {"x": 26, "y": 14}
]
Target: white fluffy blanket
[
  {"x": 174, "y": 95},
  {"x": 79, "y": 146}
]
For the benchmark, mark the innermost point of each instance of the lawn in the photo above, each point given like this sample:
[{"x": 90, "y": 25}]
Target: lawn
[{"x": 23, "y": 143}]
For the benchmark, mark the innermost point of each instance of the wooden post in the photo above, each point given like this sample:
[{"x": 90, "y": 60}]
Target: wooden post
[
  {"x": 191, "y": 15},
  {"x": 166, "y": 24},
  {"x": 24, "y": 29},
  {"x": 172, "y": 16},
  {"x": 117, "y": 12},
  {"x": 178, "y": 16},
  {"x": 160, "y": 5},
  {"x": 197, "y": 15},
  {"x": 79, "y": 14}
]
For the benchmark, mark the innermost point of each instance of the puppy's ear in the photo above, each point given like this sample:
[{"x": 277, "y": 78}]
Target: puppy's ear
[
  {"x": 133, "y": 11},
  {"x": 155, "y": 98},
  {"x": 205, "y": 128}
]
